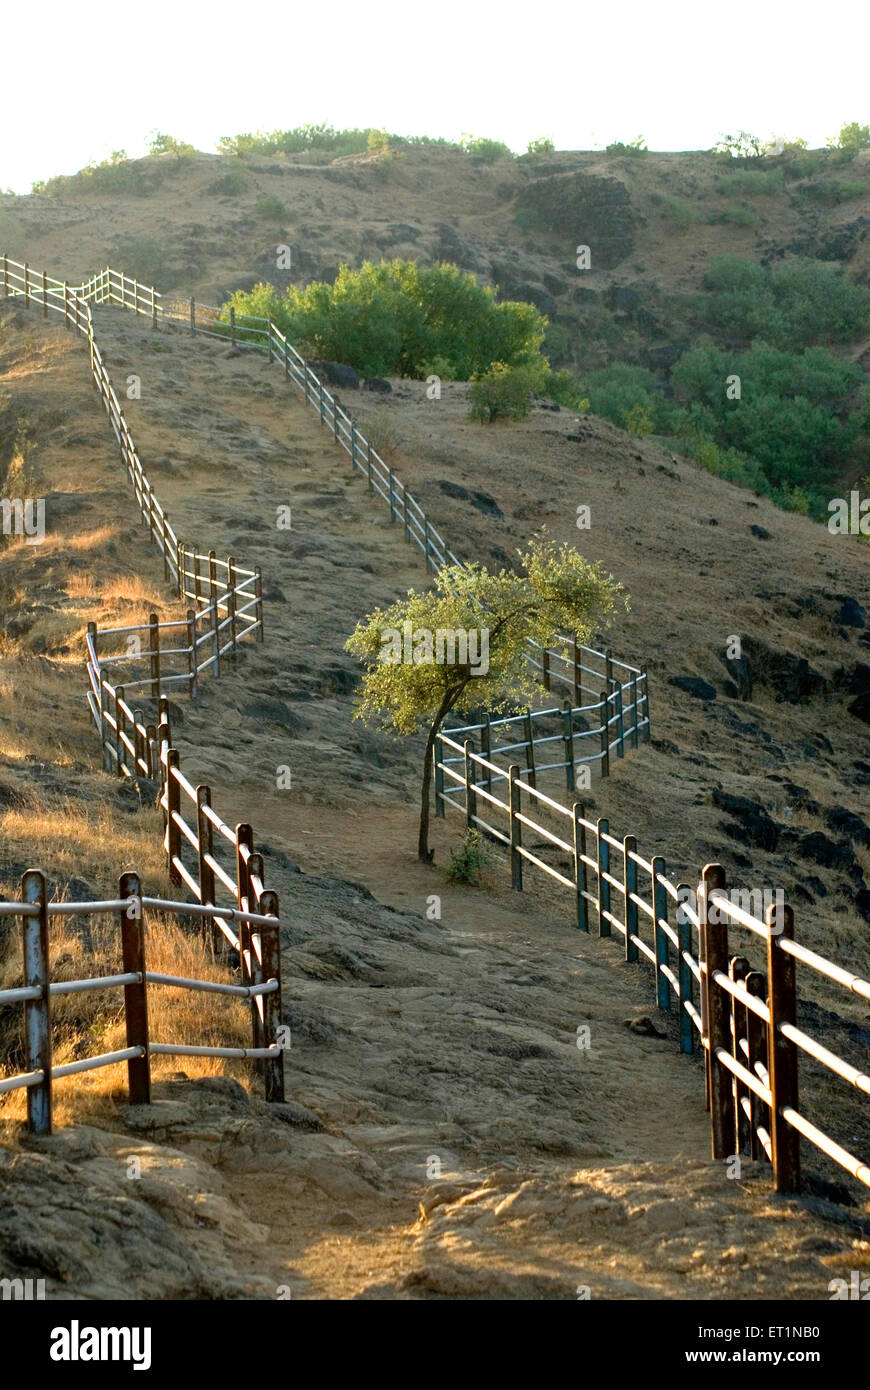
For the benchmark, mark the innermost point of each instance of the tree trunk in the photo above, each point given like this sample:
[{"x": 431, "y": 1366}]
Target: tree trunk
[{"x": 424, "y": 853}]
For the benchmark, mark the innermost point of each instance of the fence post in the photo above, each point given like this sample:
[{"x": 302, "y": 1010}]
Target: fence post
[
  {"x": 604, "y": 702},
  {"x": 173, "y": 809},
  {"x": 427, "y": 544},
  {"x": 516, "y": 829},
  {"x": 244, "y": 841},
  {"x": 369, "y": 466},
  {"x": 269, "y": 1005},
  {"x": 684, "y": 934},
  {"x": 120, "y": 730},
  {"x": 44, "y": 295},
  {"x": 530, "y": 747},
  {"x": 352, "y": 440},
  {"x": 659, "y": 900},
  {"x": 232, "y": 326},
  {"x": 153, "y": 308},
  {"x": 782, "y": 1063},
  {"x": 37, "y": 1012},
  {"x": 164, "y": 545},
  {"x": 406, "y": 515},
  {"x": 620, "y": 723},
  {"x": 714, "y": 959},
  {"x": 608, "y": 669},
  {"x": 470, "y": 792},
  {"x": 439, "y": 776},
  {"x": 191, "y": 638},
  {"x": 258, "y": 593},
  {"x": 738, "y": 969},
  {"x": 135, "y": 995},
  {"x": 568, "y": 721},
  {"x": 26, "y": 286},
  {"x": 5, "y": 275},
  {"x": 629, "y": 883},
  {"x": 635, "y": 700},
  {"x": 287, "y": 359},
  {"x": 603, "y": 851},
  {"x": 322, "y": 406},
  {"x": 151, "y": 750},
  {"x": 756, "y": 984},
  {"x": 578, "y": 674},
  {"x": 486, "y": 748},
  {"x": 545, "y": 667},
  {"x": 392, "y": 495},
  {"x": 154, "y": 645},
  {"x": 215, "y": 626},
  {"x": 66, "y": 303},
  {"x": 205, "y": 848},
  {"x": 580, "y": 866},
  {"x": 192, "y": 314},
  {"x": 231, "y": 602},
  {"x": 647, "y": 732},
  {"x": 104, "y": 727}
]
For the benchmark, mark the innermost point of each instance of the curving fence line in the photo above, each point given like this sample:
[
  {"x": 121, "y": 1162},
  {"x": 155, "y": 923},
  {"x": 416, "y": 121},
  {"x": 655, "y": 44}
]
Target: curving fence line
[{"x": 744, "y": 1018}]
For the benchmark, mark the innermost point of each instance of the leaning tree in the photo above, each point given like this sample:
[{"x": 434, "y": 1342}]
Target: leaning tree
[{"x": 406, "y": 688}]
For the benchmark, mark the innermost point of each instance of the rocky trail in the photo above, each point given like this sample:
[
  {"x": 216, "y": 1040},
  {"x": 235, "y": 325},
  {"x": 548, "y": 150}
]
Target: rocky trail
[{"x": 445, "y": 1135}]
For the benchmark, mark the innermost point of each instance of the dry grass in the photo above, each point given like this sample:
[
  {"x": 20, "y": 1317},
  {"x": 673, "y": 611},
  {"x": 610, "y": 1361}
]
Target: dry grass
[{"x": 90, "y": 1023}]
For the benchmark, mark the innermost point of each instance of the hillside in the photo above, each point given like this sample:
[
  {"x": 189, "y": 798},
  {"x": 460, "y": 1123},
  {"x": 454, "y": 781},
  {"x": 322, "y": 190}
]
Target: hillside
[{"x": 415, "y": 1038}]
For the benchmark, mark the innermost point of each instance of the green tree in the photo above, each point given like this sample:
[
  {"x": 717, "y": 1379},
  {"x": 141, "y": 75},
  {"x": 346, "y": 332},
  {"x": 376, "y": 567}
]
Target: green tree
[
  {"x": 542, "y": 145},
  {"x": 852, "y": 137},
  {"x": 560, "y": 592}
]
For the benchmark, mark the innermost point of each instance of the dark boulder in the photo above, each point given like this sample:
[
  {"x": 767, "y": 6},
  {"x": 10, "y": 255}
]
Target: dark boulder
[
  {"x": 484, "y": 503},
  {"x": 791, "y": 677},
  {"x": 377, "y": 383},
  {"x": 818, "y": 847},
  {"x": 851, "y": 613},
  {"x": 760, "y": 533},
  {"x": 756, "y": 825},
  {"x": 847, "y": 823},
  {"x": 337, "y": 373},
  {"x": 694, "y": 685}
]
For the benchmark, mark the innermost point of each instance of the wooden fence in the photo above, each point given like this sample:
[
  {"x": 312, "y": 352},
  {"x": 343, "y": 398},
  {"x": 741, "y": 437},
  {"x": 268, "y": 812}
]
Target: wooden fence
[
  {"x": 586, "y": 735},
  {"x": 258, "y": 943},
  {"x": 745, "y": 1019}
]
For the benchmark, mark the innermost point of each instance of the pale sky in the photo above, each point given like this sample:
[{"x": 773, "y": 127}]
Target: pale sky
[{"x": 77, "y": 81}]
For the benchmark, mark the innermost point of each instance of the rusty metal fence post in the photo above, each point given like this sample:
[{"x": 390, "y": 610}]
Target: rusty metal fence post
[
  {"x": 173, "y": 809},
  {"x": 603, "y": 854},
  {"x": 580, "y": 866},
  {"x": 270, "y": 969}
]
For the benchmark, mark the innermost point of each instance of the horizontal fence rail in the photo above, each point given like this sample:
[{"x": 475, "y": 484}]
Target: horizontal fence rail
[
  {"x": 745, "y": 1020},
  {"x": 260, "y": 958}
]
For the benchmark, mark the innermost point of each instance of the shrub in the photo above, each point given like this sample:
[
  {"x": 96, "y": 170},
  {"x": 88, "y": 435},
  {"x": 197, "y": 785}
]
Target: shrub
[
  {"x": 795, "y": 305},
  {"x": 378, "y": 142},
  {"x": 543, "y": 145},
  {"x": 743, "y": 145},
  {"x": 564, "y": 388},
  {"x": 395, "y": 317},
  {"x": 502, "y": 393},
  {"x": 639, "y": 420},
  {"x": 833, "y": 191},
  {"x": 615, "y": 391},
  {"x": 487, "y": 150},
  {"x": 634, "y": 147},
  {"x": 750, "y": 182},
  {"x": 271, "y": 208},
  {"x": 467, "y": 862},
  {"x": 852, "y": 137},
  {"x": 167, "y": 144},
  {"x": 138, "y": 177},
  {"x": 382, "y": 431},
  {"x": 231, "y": 184},
  {"x": 739, "y": 216},
  {"x": 679, "y": 213}
]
